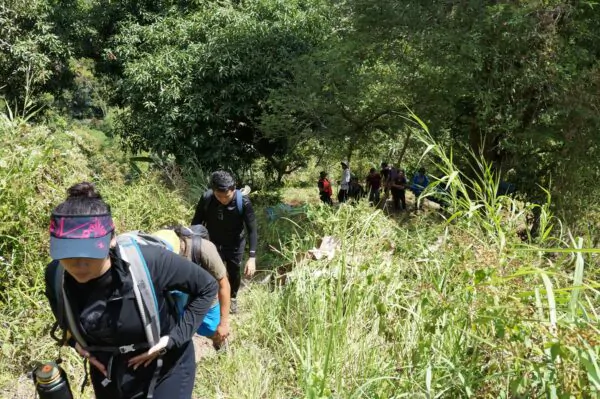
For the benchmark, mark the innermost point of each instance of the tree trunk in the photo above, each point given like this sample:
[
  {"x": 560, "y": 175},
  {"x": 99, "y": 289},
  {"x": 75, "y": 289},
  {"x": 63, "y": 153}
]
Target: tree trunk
[
  {"x": 350, "y": 150},
  {"x": 535, "y": 223},
  {"x": 280, "y": 174},
  {"x": 484, "y": 145},
  {"x": 404, "y": 147}
]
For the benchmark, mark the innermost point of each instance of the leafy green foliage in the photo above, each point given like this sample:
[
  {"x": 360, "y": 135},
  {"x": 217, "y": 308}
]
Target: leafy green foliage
[
  {"x": 415, "y": 306},
  {"x": 30, "y": 54},
  {"x": 514, "y": 81},
  {"x": 454, "y": 307},
  {"x": 339, "y": 98},
  {"x": 195, "y": 86}
]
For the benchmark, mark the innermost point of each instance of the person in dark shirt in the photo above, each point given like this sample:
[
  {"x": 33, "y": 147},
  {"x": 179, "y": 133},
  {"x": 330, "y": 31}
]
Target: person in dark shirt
[
  {"x": 398, "y": 188},
  {"x": 355, "y": 190},
  {"x": 98, "y": 287},
  {"x": 385, "y": 176},
  {"x": 373, "y": 186},
  {"x": 218, "y": 210}
]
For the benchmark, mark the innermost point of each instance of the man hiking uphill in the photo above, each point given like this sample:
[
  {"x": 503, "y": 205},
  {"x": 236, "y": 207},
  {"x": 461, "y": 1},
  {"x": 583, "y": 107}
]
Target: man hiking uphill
[
  {"x": 373, "y": 186},
  {"x": 225, "y": 212},
  {"x": 111, "y": 298},
  {"x": 193, "y": 243}
]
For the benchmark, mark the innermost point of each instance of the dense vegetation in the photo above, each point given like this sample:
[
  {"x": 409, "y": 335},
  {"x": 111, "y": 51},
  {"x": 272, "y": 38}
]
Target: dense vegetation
[
  {"x": 227, "y": 83},
  {"x": 450, "y": 305}
]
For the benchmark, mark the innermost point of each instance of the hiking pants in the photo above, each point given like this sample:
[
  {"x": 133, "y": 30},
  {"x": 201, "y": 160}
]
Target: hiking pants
[
  {"x": 233, "y": 263},
  {"x": 399, "y": 196},
  {"x": 326, "y": 198},
  {"x": 177, "y": 383},
  {"x": 374, "y": 197},
  {"x": 342, "y": 196}
]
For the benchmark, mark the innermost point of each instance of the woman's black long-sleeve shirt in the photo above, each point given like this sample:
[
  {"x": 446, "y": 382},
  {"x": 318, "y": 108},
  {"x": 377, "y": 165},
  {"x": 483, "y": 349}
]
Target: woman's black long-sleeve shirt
[
  {"x": 224, "y": 223},
  {"x": 107, "y": 311}
]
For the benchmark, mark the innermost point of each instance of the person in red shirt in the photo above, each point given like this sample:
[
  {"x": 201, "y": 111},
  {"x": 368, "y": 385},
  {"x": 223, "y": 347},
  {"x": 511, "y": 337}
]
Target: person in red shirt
[
  {"x": 373, "y": 186},
  {"x": 325, "y": 190}
]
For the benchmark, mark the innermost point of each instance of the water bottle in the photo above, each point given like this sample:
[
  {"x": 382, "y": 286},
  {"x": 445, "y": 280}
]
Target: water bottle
[{"x": 51, "y": 382}]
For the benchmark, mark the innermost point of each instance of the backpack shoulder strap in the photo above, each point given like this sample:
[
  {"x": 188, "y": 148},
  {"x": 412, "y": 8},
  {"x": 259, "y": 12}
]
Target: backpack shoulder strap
[
  {"x": 239, "y": 201},
  {"x": 193, "y": 238},
  {"x": 64, "y": 307},
  {"x": 57, "y": 286},
  {"x": 196, "y": 248},
  {"x": 142, "y": 286}
]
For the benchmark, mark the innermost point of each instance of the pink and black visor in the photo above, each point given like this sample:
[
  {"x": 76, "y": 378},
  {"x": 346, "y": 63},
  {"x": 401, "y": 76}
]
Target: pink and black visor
[{"x": 86, "y": 236}]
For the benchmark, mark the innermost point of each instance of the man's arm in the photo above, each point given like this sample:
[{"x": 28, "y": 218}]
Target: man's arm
[
  {"x": 199, "y": 217},
  {"x": 211, "y": 260},
  {"x": 250, "y": 223},
  {"x": 225, "y": 303}
]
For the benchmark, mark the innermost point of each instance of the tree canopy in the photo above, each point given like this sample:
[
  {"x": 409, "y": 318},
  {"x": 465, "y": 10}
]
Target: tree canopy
[{"x": 226, "y": 83}]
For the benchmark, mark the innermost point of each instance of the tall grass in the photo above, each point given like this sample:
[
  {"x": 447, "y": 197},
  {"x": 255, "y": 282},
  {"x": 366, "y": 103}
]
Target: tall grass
[
  {"x": 417, "y": 307},
  {"x": 422, "y": 308}
]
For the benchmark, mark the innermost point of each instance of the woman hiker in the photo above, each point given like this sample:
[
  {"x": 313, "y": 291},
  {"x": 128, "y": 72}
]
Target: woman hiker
[{"x": 98, "y": 287}]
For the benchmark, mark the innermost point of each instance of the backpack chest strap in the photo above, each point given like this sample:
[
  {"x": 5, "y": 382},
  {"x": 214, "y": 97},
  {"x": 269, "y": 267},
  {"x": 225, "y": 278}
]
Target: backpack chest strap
[{"x": 118, "y": 349}]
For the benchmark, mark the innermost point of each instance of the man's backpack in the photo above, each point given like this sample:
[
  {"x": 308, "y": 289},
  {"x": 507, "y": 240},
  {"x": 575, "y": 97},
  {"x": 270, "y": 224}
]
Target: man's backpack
[
  {"x": 239, "y": 201},
  {"x": 195, "y": 234}
]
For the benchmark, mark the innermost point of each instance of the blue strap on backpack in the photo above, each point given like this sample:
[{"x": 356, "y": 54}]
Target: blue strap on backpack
[{"x": 239, "y": 201}]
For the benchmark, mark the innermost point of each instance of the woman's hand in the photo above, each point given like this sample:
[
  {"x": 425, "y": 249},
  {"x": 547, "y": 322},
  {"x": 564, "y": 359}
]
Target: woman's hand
[
  {"x": 153, "y": 353},
  {"x": 93, "y": 361}
]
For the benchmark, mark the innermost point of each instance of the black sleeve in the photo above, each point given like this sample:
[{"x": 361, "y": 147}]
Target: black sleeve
[
  {"x": 173, "y": 272},
  {"x": 49, "y": 278},
  {"x": 250, "y": 222},
  {"x": 199, "y": 217}
]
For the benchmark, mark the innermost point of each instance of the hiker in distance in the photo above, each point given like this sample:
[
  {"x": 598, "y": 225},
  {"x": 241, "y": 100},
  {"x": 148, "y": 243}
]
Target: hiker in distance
[
  {"x": 420, "y": 182},
  {"x": 373, "y": 186},
  {"x": 111, "y": 295},
  {"x": 398, "y": 188},
  {"x": 194, "y": 244},
  {"x": 227, "y": 215},
  {"x": 344, "y": 182},
  {"x": 325, "y": 190}
]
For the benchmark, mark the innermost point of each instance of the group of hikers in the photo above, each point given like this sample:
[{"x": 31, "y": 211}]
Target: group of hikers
[
  {"x": 389, "y": 179},
  {"x": 131, "y": 303}
]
